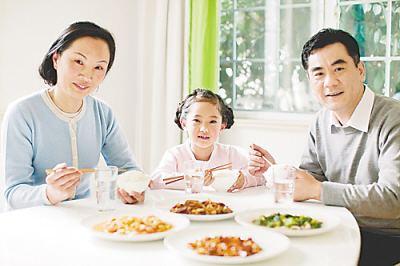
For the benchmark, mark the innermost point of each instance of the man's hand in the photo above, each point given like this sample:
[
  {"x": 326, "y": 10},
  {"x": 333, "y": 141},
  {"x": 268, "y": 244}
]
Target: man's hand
[
  {"x": 306, "y": 186},
  {"x": 259, "y": 160}
]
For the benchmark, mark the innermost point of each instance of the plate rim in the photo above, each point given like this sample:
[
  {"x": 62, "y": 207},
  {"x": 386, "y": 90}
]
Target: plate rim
[
  {"x": 229, "y": 260},
  {"x": 202, "y": 218},
  {"x": 88, "y": 222},
  {"x": 288, "y": 232}
]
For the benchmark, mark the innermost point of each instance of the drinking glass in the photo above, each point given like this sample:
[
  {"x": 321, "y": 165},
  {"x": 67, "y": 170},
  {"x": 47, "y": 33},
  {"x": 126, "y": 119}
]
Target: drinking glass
[
  {"x": 194, "y": 176},
  {"x": 105, "y": 186},
  {"x": 283, "y": 177}
]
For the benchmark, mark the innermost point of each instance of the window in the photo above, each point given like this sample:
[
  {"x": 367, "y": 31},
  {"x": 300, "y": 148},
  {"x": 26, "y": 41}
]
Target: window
[
  {"x": 261, "y": 43},
  {"x": 376, "y": 27}
]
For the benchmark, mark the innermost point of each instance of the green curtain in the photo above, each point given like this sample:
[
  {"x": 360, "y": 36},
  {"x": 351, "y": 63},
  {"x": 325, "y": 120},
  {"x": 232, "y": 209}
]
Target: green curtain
[{"x": 203, "y": 44}]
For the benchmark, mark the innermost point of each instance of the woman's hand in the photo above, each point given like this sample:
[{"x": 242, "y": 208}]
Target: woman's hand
[
  {"x": 62, "y": 183},
  {"x": 258, "y": 165},
  {"x": 130, "y": 198}
]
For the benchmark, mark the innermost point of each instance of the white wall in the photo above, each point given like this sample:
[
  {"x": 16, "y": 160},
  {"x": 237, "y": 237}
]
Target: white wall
[
  {"x": 285, "y": 137},
  {"x": 27, "y": 29}
]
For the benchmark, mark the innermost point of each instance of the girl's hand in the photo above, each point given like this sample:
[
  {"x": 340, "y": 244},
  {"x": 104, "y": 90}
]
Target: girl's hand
[
  {"x": 208, "y": 178},
  {"x": 62, "y": 183},
  {"x": 258, "y": 165},
  {"x": 238, "y": 185},
  {"x": 130, "y": 198}
]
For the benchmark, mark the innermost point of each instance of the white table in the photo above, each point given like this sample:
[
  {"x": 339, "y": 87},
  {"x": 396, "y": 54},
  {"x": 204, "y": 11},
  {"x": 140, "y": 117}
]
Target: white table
[{"x": 52, "y": 235}]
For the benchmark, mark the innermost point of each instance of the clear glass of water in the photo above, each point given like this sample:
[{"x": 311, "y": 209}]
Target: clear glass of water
[
  {"x": 106, "y": 186},
  {"x": 193, "y": 176},
  {"x": 283, "y": 177}
]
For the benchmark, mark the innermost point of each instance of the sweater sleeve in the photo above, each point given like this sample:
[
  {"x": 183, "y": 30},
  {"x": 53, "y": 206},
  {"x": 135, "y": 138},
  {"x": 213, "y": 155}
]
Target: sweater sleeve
[
  {"x": 379, "y": 199},
  {"x": 166, "y": 168},
  {"x": 310, "y": 160},
  {"x": 116, "y": 150},
  {"x": 20, "y": 191}
]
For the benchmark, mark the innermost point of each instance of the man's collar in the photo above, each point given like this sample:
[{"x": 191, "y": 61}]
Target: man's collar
[{"x": 361, "y": 115}]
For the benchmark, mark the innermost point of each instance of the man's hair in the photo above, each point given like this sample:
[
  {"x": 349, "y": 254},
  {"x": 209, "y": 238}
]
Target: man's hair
[{"x": 330, "y": 36}]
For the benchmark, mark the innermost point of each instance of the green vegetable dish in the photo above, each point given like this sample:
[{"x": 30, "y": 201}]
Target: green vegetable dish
[{"x": 294, "y": 222}]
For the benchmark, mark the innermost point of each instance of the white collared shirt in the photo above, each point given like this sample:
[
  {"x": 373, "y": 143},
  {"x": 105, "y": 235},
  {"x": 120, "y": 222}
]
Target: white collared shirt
[{"x": 361, "y": 115}]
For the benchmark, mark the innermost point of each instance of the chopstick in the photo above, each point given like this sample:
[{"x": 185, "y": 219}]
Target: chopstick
[
  {"x": 87, "y": 170},
  {"x": 262, "y": 156},
  {"x": 83, "y": 170},
  {"x": 173, "y": 179},
  {"x": 221, "y": 167}
]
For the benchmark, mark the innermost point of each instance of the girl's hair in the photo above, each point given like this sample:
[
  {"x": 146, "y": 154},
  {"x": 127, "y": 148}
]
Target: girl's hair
[
  {"x": 68, "y": 36},
  {"x": 203, "y": 95}
]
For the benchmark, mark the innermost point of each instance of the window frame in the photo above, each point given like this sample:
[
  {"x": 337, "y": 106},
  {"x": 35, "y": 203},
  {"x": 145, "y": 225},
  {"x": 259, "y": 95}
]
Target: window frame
[{"x": 330, "y": 18}]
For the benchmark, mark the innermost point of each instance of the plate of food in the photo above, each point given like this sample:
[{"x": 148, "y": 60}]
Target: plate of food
[
  {"x": 289, "y": 221},
  {"x": 135, "y": 225},
  {"x": 200, "y": 208},
  {"x": 227, "y": 244}
]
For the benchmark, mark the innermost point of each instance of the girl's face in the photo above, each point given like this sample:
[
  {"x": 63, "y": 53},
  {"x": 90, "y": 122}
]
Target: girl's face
[
  {"x": 203, "y": 125},
  {"x": 81, "y": 67}
]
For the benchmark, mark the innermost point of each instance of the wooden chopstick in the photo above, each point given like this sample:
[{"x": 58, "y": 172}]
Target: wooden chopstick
[
  {"x": 220, "y": 167},
  {"x": 265, "y": 158},
  {"x": 87, "y": 170},
  {"x": 172, "y": 178},
  {"x": 83, "y": 170},
  {"x": 177, "y": 178}
]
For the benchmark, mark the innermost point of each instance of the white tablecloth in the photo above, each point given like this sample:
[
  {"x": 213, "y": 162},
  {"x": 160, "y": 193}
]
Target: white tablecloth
[{"x": 53, "y": 235}]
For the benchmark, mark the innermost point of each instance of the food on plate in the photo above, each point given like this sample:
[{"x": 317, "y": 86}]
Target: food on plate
[
  {"x": 196, "y": 207},
  {"x": 295, "y": 222},
  {"x": 133, "y": 225},
  {"x": 231, "y": 246}
]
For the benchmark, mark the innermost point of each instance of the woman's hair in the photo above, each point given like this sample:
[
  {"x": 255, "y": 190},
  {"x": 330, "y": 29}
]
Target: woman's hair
[
  {"x": 68, "y": 36},
  {"x": 203, "y": 95}
]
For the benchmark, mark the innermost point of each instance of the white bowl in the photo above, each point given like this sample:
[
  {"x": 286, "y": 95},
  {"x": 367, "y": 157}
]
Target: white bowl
[
  {"x": 133, "y": 181},
  {"x": 224, "y": 179}
]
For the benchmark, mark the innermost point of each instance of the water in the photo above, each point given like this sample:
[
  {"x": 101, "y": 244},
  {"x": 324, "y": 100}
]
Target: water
[
  {"x": 105, "y": 194},
  {"x": 193, "y": 184},
  {"x": 283, "y": 190}
]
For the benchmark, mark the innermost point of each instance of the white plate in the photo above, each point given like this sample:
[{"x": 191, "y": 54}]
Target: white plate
[
  {"x": 168, "y": 204},
  {"x": 329, "y": 221},
  {"x": 272, "y": 243},
  {"x": 178, "y": 222}
]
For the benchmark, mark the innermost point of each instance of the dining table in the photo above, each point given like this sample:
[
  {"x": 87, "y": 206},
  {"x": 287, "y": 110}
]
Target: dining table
[{"x": 54, "y": 235}]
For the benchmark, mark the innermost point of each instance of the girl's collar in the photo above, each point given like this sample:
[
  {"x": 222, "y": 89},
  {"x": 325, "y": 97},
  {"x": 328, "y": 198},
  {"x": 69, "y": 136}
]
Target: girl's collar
[{"x": 188, "y": 146}]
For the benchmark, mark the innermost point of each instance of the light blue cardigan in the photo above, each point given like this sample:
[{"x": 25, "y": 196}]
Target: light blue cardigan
[{"x": 37, "y": 136}]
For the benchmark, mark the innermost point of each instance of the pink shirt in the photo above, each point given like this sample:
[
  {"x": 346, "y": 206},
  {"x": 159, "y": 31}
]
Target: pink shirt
[{"x": 173, "y": 160}]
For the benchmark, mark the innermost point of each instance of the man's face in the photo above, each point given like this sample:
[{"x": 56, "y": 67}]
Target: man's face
[{"x": 336, "y": 80}]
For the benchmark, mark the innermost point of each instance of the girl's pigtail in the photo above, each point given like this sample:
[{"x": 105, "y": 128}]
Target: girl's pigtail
[
  {"x": 178, "y": 114},
  {"x": 228, "y": 114}
]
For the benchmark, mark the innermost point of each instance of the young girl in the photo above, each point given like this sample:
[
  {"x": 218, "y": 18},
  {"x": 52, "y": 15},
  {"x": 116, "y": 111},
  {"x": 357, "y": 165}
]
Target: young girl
[{"x": 203, "y": 115}]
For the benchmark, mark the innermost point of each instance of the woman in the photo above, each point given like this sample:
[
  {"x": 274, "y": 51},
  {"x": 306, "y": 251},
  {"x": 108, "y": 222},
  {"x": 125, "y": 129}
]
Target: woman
[{"x": 63, "y": 127}]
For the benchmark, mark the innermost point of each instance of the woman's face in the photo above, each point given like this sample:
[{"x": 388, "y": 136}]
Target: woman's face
[{"x": 81, "y": 67}]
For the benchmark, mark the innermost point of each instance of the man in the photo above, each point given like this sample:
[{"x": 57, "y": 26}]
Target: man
[{"x": 353, "y": 154}]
